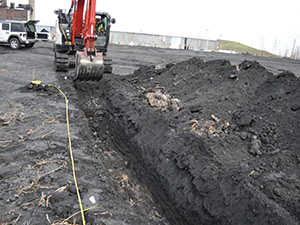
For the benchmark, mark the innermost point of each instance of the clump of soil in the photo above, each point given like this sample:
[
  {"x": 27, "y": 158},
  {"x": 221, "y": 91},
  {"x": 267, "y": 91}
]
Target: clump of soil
[{"x": 228, "y": 155}]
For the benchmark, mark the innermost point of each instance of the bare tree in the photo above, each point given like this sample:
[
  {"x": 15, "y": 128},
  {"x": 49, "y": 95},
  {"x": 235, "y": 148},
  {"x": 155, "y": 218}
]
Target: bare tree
[
  {"x": 286, "y": 52},
  {"x": 263, "y": 43},
  {"x": 293, "y": 50},
  {"x": 297, "y": 52},
  {"x": 275, "y": 45}
]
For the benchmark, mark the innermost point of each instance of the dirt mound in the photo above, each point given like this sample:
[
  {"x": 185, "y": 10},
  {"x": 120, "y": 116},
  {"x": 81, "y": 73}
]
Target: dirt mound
[{"x": 228, "y": 154}]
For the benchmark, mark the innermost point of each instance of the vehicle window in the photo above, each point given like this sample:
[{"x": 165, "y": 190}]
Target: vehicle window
[
  {"x": 30, "y": 28},
  {"x": 18, "y": 27},
  {"x": 5, "y": 26}
]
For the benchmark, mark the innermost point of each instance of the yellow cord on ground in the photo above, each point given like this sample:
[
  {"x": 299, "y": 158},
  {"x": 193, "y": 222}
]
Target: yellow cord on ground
[{"x": 71, "y": 152}]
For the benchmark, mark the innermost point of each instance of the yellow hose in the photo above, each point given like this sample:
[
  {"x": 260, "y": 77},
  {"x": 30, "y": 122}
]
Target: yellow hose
[{"x": 71, "y": 152}]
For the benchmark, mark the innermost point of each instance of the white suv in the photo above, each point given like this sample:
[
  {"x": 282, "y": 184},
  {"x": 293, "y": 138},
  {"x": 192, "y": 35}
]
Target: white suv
[{"x": 17, "y": 33}]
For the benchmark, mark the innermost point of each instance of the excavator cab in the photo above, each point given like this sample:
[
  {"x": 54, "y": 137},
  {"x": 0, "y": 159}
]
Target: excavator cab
[
  {"x": 103, "y": 31},
  {"x": 80, "y": 44}
]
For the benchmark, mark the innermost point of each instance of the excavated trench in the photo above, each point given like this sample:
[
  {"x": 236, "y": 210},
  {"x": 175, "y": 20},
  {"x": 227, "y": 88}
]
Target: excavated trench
[{"x": 214, "y": 143}]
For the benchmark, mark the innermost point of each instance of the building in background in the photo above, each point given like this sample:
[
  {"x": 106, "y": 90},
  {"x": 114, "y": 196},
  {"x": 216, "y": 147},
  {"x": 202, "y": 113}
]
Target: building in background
[
  {"x": 3, "y": 3},
  {"x": 11, "y": 13}
]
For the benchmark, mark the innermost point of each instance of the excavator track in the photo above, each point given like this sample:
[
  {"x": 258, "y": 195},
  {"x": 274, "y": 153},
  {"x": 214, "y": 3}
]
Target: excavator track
[
  {"x": 107, "y": 65},
  {"x": 61, "y": 62}
]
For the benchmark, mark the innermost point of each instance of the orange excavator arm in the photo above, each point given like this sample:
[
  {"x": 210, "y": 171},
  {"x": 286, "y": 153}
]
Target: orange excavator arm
[
  {"x": 89, "y": 36},
  {"x": 87, "y": 32},
  {"x": 89, "y": 64}
]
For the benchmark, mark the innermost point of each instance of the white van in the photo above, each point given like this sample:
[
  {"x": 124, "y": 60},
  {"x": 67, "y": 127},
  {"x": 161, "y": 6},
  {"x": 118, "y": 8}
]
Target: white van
[{"x": 17, "y": 33}]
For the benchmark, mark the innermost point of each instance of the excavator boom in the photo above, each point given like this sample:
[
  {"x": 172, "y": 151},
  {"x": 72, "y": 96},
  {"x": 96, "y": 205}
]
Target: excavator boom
[
  {"x": 89, "y": 65},
  {"x": 89, "y": 36}
]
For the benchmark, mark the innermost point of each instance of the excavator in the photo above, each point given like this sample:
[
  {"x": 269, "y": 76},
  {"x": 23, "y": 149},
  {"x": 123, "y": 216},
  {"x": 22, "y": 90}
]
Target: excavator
[{"x": 80, "y": 44}]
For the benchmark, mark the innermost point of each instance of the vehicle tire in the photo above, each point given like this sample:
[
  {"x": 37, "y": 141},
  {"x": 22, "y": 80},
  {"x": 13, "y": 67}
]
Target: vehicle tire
[
  {"x": 14, "y": 43},
  {"x": 29, "y": 45}
]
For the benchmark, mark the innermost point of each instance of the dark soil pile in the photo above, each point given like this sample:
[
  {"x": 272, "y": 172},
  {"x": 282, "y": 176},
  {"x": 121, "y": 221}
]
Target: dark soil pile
[
  {"x": 215, "y": 143},
  {"x": 211, "y": 142}
]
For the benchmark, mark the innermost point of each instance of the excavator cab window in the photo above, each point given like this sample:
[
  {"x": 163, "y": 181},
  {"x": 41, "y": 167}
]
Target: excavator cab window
[
  {"x": 105, "y": 23},
  {"x": 101, "y": 29},
  {"x": 101, "y": 25}
]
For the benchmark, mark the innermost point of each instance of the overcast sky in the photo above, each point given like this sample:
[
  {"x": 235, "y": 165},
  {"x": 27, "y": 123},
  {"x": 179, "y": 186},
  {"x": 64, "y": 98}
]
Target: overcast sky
[{"x": 272, "y": 25}]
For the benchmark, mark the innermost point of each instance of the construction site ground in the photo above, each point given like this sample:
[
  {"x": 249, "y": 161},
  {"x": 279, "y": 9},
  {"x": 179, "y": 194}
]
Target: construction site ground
[{"x": 171, "y": 137}]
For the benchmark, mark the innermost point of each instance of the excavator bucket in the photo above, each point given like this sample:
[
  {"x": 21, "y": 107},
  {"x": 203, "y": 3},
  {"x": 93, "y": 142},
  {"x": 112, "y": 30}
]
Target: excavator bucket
[{"x": 89, "y": 67}]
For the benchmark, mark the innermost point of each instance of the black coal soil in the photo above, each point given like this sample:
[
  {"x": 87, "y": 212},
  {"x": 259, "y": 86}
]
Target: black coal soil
[
  {"x": 215, "y": 143},
  {"x": 199, "y": 141}
]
